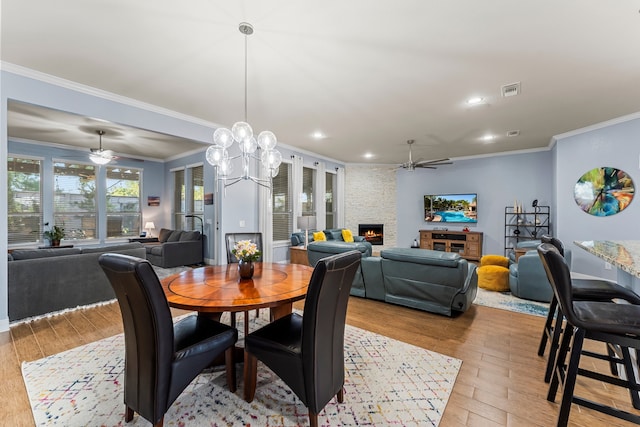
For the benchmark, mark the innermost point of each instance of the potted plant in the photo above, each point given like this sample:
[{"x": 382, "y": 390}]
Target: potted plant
[{"x": 54, "y": 235}]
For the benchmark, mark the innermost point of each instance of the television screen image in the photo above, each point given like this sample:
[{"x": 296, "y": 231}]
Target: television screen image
[{"x": 451, "y": 208}]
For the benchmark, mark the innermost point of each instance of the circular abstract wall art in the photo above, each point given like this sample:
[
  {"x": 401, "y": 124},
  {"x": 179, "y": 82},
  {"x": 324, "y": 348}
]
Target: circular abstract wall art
[{"x": 604, "y": 191}]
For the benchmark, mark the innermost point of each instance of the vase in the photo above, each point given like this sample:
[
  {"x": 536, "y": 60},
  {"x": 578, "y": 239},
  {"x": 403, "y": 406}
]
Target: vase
[
  {"x": 55, "y": 242},
  {"x": 245, "y": 269}
]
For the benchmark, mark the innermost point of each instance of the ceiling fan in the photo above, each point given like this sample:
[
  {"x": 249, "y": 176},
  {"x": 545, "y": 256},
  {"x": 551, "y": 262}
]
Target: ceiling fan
[
  {"x": 428, "y": 164},
  {"x": 99, "y": 155}
]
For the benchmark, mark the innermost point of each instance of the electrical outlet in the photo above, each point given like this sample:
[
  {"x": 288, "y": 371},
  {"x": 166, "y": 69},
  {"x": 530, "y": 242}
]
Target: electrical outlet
[
  {"x": 242, "y": 223},
  {"x": 607, "y": 266}
]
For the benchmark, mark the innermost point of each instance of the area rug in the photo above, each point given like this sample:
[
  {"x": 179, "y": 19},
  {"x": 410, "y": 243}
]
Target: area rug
[
  {"x": 506, "y": 301},
  {"x": 387, "y": 383}
]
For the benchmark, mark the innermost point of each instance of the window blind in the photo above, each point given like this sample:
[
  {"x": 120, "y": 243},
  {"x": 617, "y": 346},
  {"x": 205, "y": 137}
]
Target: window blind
[
  {"x": 24, "y": 195},
  {"x": 282, "y": 206}
]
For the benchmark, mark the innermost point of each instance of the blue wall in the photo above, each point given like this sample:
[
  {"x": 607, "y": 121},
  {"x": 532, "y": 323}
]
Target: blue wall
[
  {"x": 497, "y": 181},
  {"x": 612, "y": 144}
]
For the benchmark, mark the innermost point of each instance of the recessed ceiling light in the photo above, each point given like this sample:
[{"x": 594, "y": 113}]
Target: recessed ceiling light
[
  {"x": 488, "y": 138},
  {"x": 318, "y": 135},
  {"x": 368, "y": 155},
  {"x": 475, "y": 100}
]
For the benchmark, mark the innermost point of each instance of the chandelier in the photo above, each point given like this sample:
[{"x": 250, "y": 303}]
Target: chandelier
[{"x": 242, "y": 133}]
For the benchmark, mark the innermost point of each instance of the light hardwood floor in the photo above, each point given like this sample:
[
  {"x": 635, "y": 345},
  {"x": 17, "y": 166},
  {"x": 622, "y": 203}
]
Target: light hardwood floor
[{"x": 500, "y": 382}]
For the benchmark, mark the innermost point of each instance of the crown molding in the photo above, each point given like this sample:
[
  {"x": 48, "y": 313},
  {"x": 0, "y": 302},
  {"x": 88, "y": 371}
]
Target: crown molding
[{"x": 99, "y": 93}]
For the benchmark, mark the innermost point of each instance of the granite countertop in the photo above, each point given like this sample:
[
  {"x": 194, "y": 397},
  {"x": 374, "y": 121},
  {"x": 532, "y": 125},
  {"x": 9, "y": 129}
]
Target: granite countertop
[{"x": 624, "y": 254}]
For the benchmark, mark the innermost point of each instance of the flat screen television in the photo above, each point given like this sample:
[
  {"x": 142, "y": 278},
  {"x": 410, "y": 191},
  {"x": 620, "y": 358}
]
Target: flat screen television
[{"x": 451, "y": 208}]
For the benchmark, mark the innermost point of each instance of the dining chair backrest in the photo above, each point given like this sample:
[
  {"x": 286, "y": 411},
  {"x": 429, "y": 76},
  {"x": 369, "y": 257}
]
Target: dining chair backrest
[
  {"x": 232, "y": 238},
  {"x": 148, "y": 331},
  {"x": 323, "y": 326}
]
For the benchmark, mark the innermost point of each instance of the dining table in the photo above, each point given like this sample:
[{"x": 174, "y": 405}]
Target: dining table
[{"x": 214, "y": 289}]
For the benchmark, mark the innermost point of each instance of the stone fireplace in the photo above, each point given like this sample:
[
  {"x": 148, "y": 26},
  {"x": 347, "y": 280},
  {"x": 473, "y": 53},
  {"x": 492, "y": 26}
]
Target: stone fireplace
[{"x": 373, "y": 233}]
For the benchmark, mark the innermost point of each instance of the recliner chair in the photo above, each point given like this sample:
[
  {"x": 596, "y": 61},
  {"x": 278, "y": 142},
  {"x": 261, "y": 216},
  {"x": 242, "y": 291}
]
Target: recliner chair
[{"x": 527, "y": 278}]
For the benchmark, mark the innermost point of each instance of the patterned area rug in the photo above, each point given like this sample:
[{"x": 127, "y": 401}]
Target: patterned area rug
[
  {"x": 387, "y": 383},
  {"x": 506, "y": 301}
]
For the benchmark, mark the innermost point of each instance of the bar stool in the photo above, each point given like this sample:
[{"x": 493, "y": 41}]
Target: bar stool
[
  {"x": 607, "y": 322},
  {"x": 582, "y": 290}
]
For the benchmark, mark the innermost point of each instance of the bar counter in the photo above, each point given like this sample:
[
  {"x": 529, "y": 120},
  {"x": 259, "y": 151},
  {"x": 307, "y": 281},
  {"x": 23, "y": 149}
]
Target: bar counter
[{"x": 624, "y": 254}]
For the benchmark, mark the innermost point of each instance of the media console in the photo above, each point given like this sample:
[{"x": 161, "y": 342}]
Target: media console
[{"x": 466, "y": 243}]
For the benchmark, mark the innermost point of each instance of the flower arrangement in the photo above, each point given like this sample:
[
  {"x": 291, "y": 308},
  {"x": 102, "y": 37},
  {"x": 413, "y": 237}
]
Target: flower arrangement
[{"x": 245, "y": 250}]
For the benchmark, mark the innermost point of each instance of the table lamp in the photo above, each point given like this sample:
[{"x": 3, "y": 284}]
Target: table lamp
[
  {"x": 305, "y": 223},
  {"x": 149, "y": 226}
]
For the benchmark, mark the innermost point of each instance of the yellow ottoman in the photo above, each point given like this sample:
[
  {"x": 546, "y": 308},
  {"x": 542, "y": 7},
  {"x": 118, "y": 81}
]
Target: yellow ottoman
[
  {"x": 494, "y": 260},
  {"x": 493, "y": 278}
]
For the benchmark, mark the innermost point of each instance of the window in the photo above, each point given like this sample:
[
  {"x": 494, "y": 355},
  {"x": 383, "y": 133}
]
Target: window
[
  {"x": 179, "y": 198},
  {"x": 123, "y": 202},
  {"x": 24, "y": 200},
  {"x": 188, "y": 197},
  {"x": 308, "y": 181},
  {"x": 196, "y": 201},
  {"x": 74, "y": 199},
  {"x": 329, "y": 199},
  {"x": 282, "y": 207}
]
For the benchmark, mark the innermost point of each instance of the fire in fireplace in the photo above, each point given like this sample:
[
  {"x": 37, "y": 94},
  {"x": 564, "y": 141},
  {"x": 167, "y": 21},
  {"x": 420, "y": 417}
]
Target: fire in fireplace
[{"x": 373, "y": 233}]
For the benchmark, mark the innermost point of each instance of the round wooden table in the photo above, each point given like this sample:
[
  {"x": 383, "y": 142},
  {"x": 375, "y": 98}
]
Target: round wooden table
[{"x": 212, "y": 290}]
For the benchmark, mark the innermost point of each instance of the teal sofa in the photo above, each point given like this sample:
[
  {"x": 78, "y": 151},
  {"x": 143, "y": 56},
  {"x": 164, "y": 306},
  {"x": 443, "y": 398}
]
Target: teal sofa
[{"x": 434, "y": 281}]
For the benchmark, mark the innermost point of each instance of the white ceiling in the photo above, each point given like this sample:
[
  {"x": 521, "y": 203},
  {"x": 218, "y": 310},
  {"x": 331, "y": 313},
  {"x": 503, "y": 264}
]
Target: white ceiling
[{"x": 368, "y": 74}]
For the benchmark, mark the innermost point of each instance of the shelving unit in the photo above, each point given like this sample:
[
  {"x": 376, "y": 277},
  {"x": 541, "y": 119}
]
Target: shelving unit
[{"x": 521, "y": 226}]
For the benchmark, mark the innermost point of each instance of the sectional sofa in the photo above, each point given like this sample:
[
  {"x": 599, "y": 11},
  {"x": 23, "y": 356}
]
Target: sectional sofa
[
  {"x": 42, "y": 281},
  {"x": 434, "y": 281}
]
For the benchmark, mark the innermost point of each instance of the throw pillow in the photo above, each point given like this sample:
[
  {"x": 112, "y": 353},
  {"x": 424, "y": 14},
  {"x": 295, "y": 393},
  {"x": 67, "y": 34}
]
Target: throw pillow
[
  {"x": 175, "y": 236},
  {"x": 347, "y": 235},
  {"x": 164, "y": 235},
  {"x": 319, "y": 236}
]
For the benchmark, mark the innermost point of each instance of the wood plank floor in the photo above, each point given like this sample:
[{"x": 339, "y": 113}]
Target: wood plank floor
[{"x": 500, "y": 382}]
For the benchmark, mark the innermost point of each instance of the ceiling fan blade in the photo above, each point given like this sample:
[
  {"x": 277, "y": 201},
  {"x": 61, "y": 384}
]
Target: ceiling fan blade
[
  {"x": 435, "y": 161},
  {"x": 116, "y": 157},
  {"x": 425, "y": 166}
]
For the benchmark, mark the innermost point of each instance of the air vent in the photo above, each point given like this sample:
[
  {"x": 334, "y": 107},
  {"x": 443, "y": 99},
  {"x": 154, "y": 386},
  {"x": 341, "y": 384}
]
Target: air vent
[
  {"x": 513, "y": 133},
  {"x": 512, "y": 89}
]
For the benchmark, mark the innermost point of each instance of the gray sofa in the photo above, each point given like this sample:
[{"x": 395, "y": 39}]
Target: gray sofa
[
  {"x": 175, "y": 248},
  {"x": 47, "y": 280},
  {"x": 435, "y": 281}
]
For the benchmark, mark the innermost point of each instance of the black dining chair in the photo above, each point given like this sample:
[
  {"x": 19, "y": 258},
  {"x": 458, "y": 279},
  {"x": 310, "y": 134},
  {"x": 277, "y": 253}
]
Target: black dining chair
[
  {"x": 607, "y": 322},
  {"x": 230, "y": 240},
  {"x": 161, "y": 359},
  {"x": 582, "y": 290},
  {"x": 307, "y": 351}
]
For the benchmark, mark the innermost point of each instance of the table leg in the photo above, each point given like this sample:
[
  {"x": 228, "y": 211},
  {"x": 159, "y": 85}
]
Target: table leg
[{"x": 280, "y": 311}]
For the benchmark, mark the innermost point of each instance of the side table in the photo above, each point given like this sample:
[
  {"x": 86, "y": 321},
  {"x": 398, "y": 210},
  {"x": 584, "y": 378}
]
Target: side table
[{"x": 298, "y": 255}]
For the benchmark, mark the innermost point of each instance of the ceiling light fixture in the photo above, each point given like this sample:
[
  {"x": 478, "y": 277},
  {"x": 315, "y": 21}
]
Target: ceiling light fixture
[
  {"x": 475, "y": 100},
  {"x": 241, "y": 132},
  {"x": 318, "y": 135},
  {"x": 488, "y": 138},
  {"x": 100, "y": 156}
]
